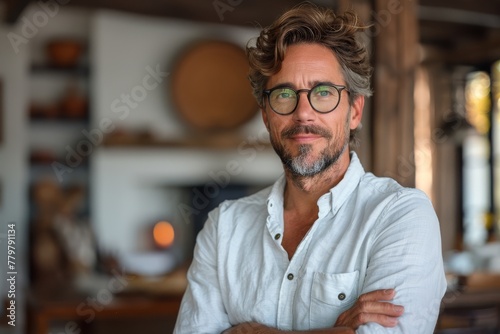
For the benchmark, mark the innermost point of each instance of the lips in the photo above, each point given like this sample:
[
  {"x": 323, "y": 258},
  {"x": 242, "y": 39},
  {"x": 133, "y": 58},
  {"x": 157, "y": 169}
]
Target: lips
[{"x": 305, "y": 137}]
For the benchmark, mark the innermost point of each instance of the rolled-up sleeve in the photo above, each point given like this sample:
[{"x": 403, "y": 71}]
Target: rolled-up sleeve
[{"x": 406, "y": 255}]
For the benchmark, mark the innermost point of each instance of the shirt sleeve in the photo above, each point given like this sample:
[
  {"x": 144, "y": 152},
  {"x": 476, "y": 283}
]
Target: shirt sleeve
[
  {"x": 202, "y": 310},
  {"x": 406, "y": 255}
]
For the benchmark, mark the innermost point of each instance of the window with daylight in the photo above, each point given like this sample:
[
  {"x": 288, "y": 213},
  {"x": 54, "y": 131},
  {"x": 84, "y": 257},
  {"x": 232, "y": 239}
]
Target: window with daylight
[{"x": 480, "y": 154}]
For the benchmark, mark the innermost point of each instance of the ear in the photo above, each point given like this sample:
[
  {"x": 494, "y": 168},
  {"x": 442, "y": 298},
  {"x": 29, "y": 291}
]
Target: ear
[
  {"x": 264, "y": 118},
  {"x": 357, "y": 112}
]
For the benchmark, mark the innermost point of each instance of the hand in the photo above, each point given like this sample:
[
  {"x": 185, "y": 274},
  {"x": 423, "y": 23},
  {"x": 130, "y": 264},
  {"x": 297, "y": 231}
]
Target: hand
[{"x": 372, "y": 307}]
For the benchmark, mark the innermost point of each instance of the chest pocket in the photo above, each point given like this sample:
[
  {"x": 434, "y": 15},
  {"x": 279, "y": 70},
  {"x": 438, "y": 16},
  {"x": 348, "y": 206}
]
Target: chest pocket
[{"x": 331, "y": 295}]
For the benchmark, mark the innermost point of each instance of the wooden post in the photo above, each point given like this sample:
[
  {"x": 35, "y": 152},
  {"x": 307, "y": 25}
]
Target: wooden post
[
  {"x": 363, "y": 9},
  {"x": 395, "y": 37}
]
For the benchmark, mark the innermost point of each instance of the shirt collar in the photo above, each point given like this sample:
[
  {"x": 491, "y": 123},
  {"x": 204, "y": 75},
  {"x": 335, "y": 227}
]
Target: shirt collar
[
  {"x": 335, "y": 197},
  {"x": 342, "y": 191}
]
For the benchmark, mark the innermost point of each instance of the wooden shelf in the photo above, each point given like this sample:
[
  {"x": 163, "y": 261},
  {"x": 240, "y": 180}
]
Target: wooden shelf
[
  {"x": 59, "y": 120},
  {"x": 197, "y": 142},
  {"x": 80, "y": 70}
]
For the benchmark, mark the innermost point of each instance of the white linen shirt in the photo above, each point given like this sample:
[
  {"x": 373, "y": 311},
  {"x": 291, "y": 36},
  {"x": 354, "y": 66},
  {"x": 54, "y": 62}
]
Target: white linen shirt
[{"x": 371, "y": 233}]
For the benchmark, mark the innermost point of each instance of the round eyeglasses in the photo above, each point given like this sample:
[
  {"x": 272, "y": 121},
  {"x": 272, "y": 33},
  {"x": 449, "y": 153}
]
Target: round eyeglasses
[{"x": 323, "y": 98}]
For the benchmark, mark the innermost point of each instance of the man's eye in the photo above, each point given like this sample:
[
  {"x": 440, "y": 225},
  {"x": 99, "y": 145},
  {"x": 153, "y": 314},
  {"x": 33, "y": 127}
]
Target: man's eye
[
  {"x": 284, "y": 94},
  {"x": 323, "y": 91}
]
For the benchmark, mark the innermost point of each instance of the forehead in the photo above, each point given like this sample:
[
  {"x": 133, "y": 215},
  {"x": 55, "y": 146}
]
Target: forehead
[{"x": 307, "y": 64}]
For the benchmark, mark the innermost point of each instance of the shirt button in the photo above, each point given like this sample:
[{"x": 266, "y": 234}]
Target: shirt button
[
  {"x": 277, "y": 236},
  {"x": 290, "y": 277},
  {"x": 341, "y": 296}
]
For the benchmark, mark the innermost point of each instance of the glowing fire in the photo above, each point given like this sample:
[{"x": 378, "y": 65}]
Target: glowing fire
[{"x": 163, "y": 234}]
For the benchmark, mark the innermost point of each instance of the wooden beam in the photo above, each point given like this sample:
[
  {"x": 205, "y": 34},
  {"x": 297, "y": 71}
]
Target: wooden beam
[
  {"x": 448, "y": 35},
  {"x": 396, "y": 60},
  {"x": 476, "y": 53},
  {"x": 472, "y": 53},
  {"x": 478, "y": 6},
  {"x": 244, "y": 13}
]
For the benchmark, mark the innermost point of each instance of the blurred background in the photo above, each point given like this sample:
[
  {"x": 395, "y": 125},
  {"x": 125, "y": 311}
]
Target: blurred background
[{"x": 123, "y": 123}]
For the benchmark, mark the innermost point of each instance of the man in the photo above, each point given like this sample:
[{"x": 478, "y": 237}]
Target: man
[{"x": 328, "y": 248}]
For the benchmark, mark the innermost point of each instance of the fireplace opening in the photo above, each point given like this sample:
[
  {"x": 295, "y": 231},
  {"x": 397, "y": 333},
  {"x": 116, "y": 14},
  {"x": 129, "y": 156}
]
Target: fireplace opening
[{"x": 205, "y": 198}]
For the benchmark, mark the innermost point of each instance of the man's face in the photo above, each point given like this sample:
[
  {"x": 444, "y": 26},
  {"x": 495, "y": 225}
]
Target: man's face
[{"x": 306, "y": 141}]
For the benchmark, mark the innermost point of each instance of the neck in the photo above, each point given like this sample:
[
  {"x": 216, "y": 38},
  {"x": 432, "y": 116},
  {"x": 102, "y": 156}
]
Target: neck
[{"x": 302, "y": 193}]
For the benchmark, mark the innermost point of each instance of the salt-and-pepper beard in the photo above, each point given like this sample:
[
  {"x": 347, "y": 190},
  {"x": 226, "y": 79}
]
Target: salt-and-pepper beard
[{"x": 298, "y": 165}]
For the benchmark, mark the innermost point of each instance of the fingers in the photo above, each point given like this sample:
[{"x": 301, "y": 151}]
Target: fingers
[
  {"x": 383, "y": 313},
  {"x": 378, "y": 295},
  {"x": 379, "y": 308}
]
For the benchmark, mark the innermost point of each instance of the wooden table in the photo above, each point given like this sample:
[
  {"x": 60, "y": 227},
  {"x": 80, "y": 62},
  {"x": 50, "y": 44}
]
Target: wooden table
[
  {"x": 474, "y": 304},
  {"x": 77, "y": 311}
]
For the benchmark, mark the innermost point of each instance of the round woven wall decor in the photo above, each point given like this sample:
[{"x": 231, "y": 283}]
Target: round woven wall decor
[{"x": 210, "y": 87}]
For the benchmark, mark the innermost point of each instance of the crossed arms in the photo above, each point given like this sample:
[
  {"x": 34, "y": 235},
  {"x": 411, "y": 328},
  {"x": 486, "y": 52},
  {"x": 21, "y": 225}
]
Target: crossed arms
[{"x": 370, "y": 307}]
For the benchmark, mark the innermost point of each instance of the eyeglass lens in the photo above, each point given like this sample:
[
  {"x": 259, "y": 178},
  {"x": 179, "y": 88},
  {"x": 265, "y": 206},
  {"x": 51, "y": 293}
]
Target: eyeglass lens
[{"x": 323, "y": 98}]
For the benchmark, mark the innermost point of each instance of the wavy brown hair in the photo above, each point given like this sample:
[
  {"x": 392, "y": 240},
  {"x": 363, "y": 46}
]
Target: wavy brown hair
[{"x": 308, "y": 23}]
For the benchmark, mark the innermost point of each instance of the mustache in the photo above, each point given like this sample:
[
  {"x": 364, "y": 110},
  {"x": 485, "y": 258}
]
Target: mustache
[{"x": 305, "y": 129}]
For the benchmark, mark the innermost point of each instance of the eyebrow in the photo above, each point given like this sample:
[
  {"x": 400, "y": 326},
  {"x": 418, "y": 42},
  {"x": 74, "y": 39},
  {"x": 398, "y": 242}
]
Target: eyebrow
[{"x": 311, "y": 84}]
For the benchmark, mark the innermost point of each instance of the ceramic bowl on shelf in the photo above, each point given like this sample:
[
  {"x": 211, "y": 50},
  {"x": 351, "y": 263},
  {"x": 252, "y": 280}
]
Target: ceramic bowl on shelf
[
  {"x": 64, "y": 52},
  {"x": 74, "y": 104}
]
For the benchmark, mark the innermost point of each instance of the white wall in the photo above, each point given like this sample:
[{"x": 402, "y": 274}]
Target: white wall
[
  {"x": 132, "y": 187},
  {"x": 13, "y": 168}
]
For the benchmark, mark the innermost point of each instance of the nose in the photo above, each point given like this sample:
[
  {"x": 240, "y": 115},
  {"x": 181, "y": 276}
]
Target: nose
[{"x": 304, "y": 112}]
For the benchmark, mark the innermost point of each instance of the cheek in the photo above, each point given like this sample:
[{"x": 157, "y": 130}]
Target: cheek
[
  {"x": 336, "y": 125},
  {"x": 275, "y": 125},
  {"x": 271, "y": 121},
  {"x": 275, "y": 132}
]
